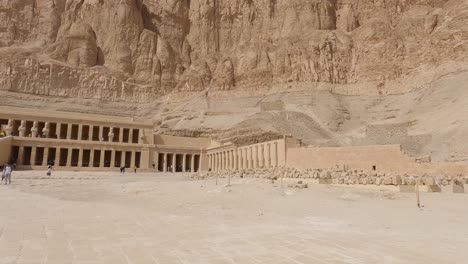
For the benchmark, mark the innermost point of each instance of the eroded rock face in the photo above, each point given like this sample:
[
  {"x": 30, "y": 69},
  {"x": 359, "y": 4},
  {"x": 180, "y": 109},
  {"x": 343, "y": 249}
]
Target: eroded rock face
[{"x": 179, "y": 45}]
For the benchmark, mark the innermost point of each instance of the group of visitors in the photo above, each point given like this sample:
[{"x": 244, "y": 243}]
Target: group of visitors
[
  {"x": 6, "y": 173},
  {"x": 122, "y": 169}
]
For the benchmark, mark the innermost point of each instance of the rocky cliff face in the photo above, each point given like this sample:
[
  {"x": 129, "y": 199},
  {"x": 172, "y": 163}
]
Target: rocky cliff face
[{"x": 140, "y": 49}]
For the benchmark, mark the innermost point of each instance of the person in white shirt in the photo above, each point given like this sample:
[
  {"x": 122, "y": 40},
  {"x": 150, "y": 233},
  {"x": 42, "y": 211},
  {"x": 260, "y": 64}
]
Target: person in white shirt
[{"x": 8, "y": 171}]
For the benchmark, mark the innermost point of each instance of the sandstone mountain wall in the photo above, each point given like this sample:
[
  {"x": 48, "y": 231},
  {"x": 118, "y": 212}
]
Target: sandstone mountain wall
[{"x": 140, "y": 49}]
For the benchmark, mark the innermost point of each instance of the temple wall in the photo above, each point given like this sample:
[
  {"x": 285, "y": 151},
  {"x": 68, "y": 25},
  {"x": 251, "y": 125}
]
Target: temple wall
[
  {"x": 383, "y": 157},
  {"x": 5, "y": 149},
  {"x": 181, "y": 141}
]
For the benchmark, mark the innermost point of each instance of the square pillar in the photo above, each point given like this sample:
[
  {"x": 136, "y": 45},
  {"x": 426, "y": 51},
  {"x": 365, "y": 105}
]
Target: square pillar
[
  {"x": 90, "y": 133},
  {"x": 275, "y": 154},
  {"x": 268, "y": 156},
  {"x": 192, "y": 163},
  {"x": 91, "y": 158},
  {"x": 80, "y": 131},
  {"x": 58, "y": 130},
  {"x": 174, "y": 164},
  {"x": 69, "y": 156},
  {"x": 121, "y": 132},
  {"x": 112, "y": 161},
  {"x": 69, "y": 131},
  {"x": 57, "y": 156},
  {"x": 130, "y": 135},
  {"x": 236, "y": 160},
  {"x": 101, "y": 133},
  {"x": 20, "y": 155},
  {"x": 101, "y": 159},
  {"x": 80, "y": 157},
  {"x": 45, "y": 158},
  {"x": 184, "y": 159},
  {"x": 122, "y": 158},
  {"x": 132, "y": 159},
  {"x": 33, "y": 155},
  {"x": 262, "y": 156},
  {"x": 165, "y": 163}
]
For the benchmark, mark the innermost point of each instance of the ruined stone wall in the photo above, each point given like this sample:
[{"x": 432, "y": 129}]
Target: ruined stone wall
[
  {"x": 388, "y": 157},
  {"x": 5, "y": 149},
  {"x": 182, "y": 141}
]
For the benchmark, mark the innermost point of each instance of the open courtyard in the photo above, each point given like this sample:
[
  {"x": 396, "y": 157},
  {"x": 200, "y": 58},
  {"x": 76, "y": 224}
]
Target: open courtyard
[{"x": 82, "y": 217}]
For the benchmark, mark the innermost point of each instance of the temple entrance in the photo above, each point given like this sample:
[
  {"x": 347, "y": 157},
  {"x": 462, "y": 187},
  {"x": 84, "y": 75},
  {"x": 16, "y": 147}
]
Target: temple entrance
[
  {"x": 161, "y": 162},
  {"x": 196, "y": 163},
  {"x": 169, "y": 162},
  {"x": 63, "y": 157},
  {"x": 188, "y": 163}
]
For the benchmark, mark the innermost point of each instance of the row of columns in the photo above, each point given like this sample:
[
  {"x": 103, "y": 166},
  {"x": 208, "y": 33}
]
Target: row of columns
[
  {"x": 102, "y": 161},
  {"x": 45, "y": 131},
  {"x": 250, "y": 157},
  {"x": 174, "y": 161}
]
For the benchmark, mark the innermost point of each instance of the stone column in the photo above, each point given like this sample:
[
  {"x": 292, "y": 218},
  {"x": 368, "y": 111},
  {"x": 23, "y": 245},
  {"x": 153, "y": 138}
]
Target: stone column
[
  {"x": 216, "y": 157},
  {"x": 192, "y": 163},
  {"x": 132, "y": 159},
  {"x": 80, "y": 131},
  {"x": 80, "y": 157},
  {"x": 121, "y": 132},
  {"x": 184, "y": 159},
  {"x": 45, "y": 158},
  {"x": 165, "y": 162},
  {"x": 223, "y": 160},
  {"x": 58, "y": 152},
  {"x": 130, "y": 135},
  {"x": 90, "y": 133},
  {"x": 46, "y": 130},
  {"x": 101, "y": 133},
  {"x": 69, "y": 157},
  {"x": 69, "y": 131},
  {"x": 91, "y": 158},
  {"x": 20, "y": 160},
  {"x": 174, "y": 162},
  {"x": 112, "y": 161},
  {"x": 58, "y": 130},
  {"x": 9, "y": 127},
  {"x": 33, "y": 156},
  {"x": 268, "y": 156}
]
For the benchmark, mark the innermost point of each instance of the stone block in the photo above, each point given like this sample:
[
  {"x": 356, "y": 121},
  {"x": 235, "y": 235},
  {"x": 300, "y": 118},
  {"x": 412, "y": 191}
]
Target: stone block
[
  {"x": 325, "y": 181},
  {"x": 433, "y": 188},
  {"x": 458, "y": 188},
  {"x": 407, "y": 188}
]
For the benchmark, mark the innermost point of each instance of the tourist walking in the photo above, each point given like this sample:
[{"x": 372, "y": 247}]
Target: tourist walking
[
  {"x": 49, "y": 170},
  {"x": 122, "y": 169},
  {"x": 135, "y": 168},
  {"x": 8, "y": 171}
]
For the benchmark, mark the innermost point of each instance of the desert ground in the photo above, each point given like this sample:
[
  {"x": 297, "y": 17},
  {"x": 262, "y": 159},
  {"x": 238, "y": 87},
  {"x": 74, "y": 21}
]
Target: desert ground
[{"x": 83, "y": 217}]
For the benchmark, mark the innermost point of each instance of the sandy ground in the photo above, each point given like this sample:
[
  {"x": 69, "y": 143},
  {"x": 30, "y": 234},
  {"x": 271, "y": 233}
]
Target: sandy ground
[{"x": 81, "y": 217}]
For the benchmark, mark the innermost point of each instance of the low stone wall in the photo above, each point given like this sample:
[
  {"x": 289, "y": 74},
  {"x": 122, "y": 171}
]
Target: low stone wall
[
  {"x": 5, "y": 149},
  {"x": 338, "y": 176}
]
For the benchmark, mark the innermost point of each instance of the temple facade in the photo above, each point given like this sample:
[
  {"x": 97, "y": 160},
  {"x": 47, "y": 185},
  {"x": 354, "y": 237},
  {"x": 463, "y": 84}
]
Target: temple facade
[{"x": 71, "y": 141}]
